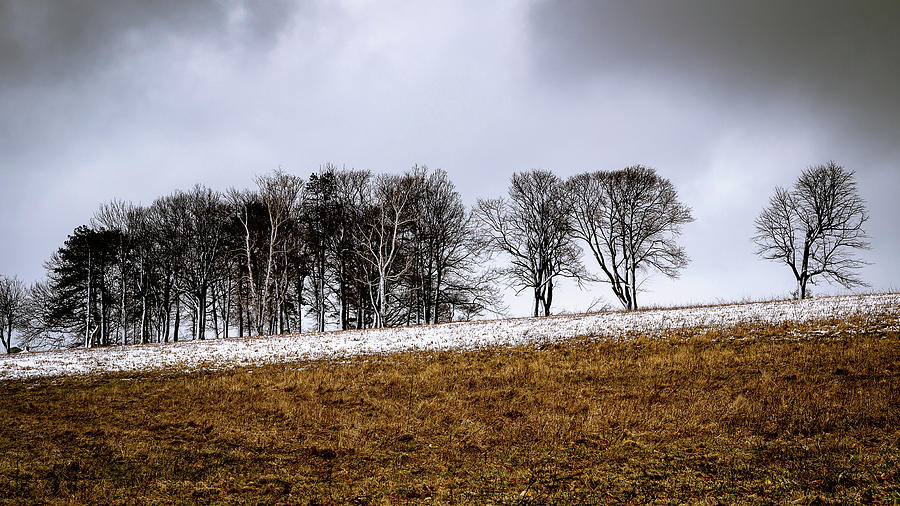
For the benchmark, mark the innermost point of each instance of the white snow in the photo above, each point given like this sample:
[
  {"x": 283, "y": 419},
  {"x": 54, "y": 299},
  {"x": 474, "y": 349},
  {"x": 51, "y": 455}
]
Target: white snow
[{"x": 234, "y": 352}]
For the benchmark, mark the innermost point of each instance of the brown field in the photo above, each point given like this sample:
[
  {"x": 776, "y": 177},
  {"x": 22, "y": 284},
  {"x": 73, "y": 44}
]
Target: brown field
[{"x": 694, "y": 417}]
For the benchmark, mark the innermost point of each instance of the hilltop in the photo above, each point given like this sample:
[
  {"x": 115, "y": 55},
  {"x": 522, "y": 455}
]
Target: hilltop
[{"x": 615, "y": 325}]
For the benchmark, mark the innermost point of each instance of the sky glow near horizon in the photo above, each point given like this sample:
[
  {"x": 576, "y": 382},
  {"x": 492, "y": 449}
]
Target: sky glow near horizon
[{"x": 132, "y": 100}]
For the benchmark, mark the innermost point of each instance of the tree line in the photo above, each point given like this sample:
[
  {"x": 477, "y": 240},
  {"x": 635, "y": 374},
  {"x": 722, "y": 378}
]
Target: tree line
[{"x": 352, "y": 249}]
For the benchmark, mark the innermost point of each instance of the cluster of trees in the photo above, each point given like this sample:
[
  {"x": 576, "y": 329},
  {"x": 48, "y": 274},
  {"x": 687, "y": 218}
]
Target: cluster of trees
[
  {"x": 344, "y": 248},
  {"x": 628, "y": 219},
  {"x": 350, "y": 249}
]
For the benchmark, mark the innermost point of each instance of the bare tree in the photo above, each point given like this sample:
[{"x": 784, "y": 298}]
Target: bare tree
[
  {"x": 533, "y": 228},
  {"x": 629, "y": 220},
  {"x": 112, "y": 216},
  {"x": 447, "y": 257},
  {"x": 321, "y": 215},
  {"x": 159, "y": 245},
  {"x": 12, "y": 308},
  {"x": 136, "y": 255},
  {"x": 385, "y": 219},
  {"x": 36, "y": 329},
  {"x": 166, "y": 220},
  {"x": 279, "y": 197},
  {"x": 203, "y": 225},
  {"x": 353, "y": 192},
  {"x": 815, "y": 227}
]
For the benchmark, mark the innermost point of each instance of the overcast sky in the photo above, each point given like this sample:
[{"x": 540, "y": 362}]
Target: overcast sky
[{"x": 132, "y": 99}]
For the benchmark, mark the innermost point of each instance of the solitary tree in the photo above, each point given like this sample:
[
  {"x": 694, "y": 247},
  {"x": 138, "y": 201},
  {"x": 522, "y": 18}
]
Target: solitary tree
[
  {"x": 815, "y": 227},
  {"x": 12, "y": 308},
  {"x": 533, "y": 228},
  {"x": 629, "y": 220}
]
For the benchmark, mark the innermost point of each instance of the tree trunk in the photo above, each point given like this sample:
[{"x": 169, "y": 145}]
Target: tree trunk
[
  {"x": 143, "y": 318},
  {"x": 359, "y": 308},
  {"x": 201, "y": 315},
  {"x": 634, "y": 303},
  {"x": 194, "y": 324},
  {"x": 342, "y": 301},
  {"x": 215, "y": 313},
  {"x": 804, "y": 270},
  {"x": 87, "y": 307},
  {"x": 435, "y": 305},
  {"x": 548, "y": 300},
  {"x": 320, "y": 293},
  {"x": 177, "y": 326},
  {"x": 382, "y": 303},
  {"x": 124, "y": 315},
  {"x": 226, "y": 316},
  {"x": 240, "y": 319},
  {"x": 103, "y": 330},
  {"x": 167, "y": 312}
]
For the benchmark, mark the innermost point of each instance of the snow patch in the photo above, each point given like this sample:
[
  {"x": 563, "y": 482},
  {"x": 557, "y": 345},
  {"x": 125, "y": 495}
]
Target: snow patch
[{"x": 236, "y": 352}]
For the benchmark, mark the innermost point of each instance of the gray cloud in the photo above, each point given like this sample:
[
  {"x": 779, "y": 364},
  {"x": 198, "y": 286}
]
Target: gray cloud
[
  {"x": 46, "y": 42},
  {"x": 757, "y": 91},
  {"x": 132, "y": 99},
  {"x": 837, "y": 59}
]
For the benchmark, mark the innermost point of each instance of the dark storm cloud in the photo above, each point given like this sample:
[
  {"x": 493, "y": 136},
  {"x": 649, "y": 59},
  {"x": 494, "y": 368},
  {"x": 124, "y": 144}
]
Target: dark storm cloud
[
  {"x": 44, "y": 42},
  {"x": 839, "y": 58}
]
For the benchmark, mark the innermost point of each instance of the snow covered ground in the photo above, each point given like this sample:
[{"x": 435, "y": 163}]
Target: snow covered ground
[{"x": 223, "y": 353}]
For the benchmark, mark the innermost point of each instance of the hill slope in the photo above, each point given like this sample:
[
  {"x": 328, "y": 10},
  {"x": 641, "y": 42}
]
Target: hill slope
[
  {"x": 800, "y": 413},
  {"x": 236, "y": 352}
]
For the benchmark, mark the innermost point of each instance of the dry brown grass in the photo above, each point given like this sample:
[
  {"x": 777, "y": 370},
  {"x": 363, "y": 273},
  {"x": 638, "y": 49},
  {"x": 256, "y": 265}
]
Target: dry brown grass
[{"x": 696, "y": 417}]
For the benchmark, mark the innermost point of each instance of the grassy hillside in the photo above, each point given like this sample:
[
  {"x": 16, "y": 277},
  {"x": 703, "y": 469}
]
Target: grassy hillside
[{"x": 809, "y": 412}]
